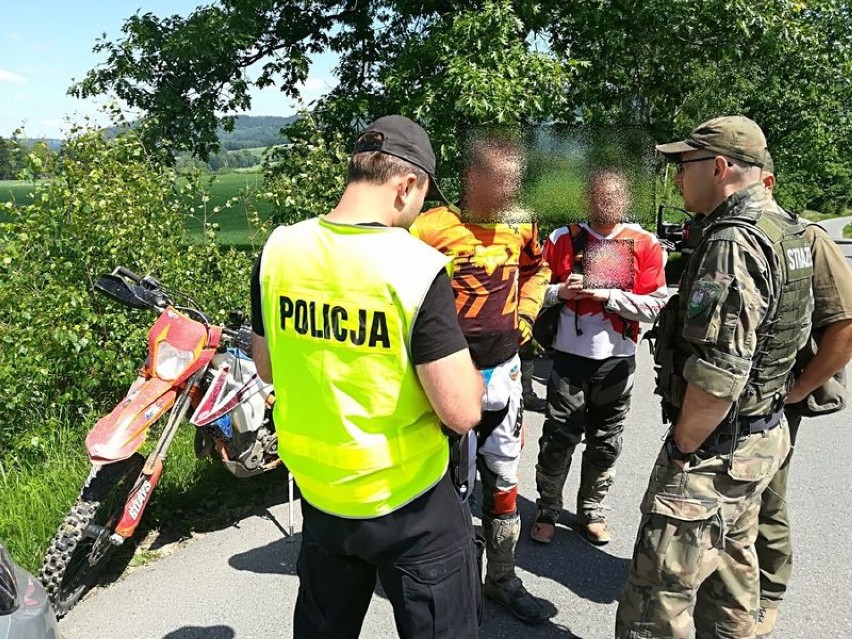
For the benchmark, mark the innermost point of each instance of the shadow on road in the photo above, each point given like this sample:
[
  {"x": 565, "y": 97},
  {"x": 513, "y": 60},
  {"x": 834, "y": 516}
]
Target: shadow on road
[
  {"x": 199, "y": 632},
  {"x": 588, "y": 571},
  {"x": 214, "y": 501},
  {"x": 498, "y": 623},
  {"x": 275, "y": 558}
]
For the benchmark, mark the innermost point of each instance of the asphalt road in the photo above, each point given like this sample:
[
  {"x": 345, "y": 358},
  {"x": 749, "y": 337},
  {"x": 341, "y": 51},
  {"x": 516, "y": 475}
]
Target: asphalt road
[
  {"x": 835, "y": 229},
  {"x": 240, "y": 583}
]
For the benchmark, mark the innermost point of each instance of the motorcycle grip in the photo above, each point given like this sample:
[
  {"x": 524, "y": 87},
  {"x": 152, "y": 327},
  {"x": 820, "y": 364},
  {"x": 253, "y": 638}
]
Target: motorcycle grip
[
  {"x": 126, "y": 272},
  {"x": 242, "y": 339}
]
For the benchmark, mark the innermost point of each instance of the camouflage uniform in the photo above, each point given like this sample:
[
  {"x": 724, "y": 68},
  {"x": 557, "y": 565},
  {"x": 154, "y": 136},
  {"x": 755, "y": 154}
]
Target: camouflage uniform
[
  {"x": 694, "y": 555},
  {"x": 832, "y": 284}
]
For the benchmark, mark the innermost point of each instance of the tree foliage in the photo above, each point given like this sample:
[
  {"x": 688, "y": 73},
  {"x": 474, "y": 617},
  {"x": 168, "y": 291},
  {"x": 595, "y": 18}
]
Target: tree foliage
[
  {"x": 12, "y": 158},
  {"x": 669, "y": 64},
  {"x": 304, "y": 178},
  {"x": 661, "y": 64}
]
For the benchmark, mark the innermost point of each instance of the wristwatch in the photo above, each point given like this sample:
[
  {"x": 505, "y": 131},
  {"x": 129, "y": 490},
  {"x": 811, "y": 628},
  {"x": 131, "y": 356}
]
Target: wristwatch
[{"x": 675, "y": 453}]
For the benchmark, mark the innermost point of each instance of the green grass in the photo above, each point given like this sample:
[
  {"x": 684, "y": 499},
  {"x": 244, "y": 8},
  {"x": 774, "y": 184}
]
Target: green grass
[
  {"x": 815, "y": 216},
  {"x": 35, "y": 498},
  {"x": 234, "y": 227},
  {"x": 192, "y": 496},
  {"x": 847, "y": 231}
]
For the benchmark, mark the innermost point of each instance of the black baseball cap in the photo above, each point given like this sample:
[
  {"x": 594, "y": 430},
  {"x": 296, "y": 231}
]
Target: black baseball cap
[{"x": 400, "y": 137}]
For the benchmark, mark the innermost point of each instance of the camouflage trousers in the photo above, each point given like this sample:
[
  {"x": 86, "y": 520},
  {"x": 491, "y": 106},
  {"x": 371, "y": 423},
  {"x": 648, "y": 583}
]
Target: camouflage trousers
[
  {"x": 584, "y": 397},
  {"x": 774, "y": 547},
  {"x": 694, "y": 562}
]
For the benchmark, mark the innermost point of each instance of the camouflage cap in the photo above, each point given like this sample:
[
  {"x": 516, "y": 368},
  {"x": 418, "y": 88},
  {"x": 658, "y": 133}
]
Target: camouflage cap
[
  {"x": 768, "y": 164},
  {"x": 734, "y": 136}
]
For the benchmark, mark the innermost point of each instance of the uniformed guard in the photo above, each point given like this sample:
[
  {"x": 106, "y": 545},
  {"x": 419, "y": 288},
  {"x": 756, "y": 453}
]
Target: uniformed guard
[
  {"x": 355, "y": 325},
  {"x": 819, "y": 389},
  {"x": 724, "y": 350}
]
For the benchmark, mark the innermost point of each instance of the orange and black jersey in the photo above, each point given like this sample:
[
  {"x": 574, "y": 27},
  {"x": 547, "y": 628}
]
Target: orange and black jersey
[{"x": 500, "y": 276}]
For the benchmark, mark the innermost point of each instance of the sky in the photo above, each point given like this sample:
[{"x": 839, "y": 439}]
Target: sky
[{"x": 45, "y": 45}]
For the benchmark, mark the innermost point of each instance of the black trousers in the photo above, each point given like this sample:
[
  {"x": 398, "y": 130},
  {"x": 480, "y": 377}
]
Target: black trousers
[
  {"x": 591, "y": 397},
  {"x": 424, "y": 557},
  {"x": 584, "y": 396}
]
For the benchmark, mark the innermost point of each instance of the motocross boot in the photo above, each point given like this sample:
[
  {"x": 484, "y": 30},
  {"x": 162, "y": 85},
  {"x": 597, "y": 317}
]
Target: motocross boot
[
  {"x": 594, "y": 486},
  {"x": 502, "y": 585},
  {"x": 551, "y": 472}
]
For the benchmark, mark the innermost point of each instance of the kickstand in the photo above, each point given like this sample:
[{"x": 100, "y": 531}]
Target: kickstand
[{"x": 290, "y": 537}]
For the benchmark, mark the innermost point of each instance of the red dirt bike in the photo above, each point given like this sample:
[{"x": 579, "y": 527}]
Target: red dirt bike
[{"x": 191, "y": 364}]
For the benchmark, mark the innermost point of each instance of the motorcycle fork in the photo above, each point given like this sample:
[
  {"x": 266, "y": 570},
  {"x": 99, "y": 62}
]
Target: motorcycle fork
[{"x": 142, "y": 490}]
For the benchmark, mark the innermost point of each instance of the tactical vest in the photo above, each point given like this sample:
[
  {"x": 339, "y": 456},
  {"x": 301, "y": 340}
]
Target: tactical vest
[
  {"x": 354, "y": 424},
  {"x": 779, "y": 337}
]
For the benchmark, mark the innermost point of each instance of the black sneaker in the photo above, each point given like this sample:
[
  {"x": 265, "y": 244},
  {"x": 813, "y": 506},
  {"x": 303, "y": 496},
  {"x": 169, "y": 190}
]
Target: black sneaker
[{"x": 511, "y": 594}]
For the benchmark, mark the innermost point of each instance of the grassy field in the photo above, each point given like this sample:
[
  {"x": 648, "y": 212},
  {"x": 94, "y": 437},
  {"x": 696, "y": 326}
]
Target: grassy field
[
  {"x": 234, "y": 227},
  {"x": 16, "y": 190},
  {"x": 815, "y": 216}
]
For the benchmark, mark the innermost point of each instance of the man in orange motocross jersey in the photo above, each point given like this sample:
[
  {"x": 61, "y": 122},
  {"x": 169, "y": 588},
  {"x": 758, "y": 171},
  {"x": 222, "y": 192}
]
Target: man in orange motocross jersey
[
  {"x": 608, "y": 276},
  {"x": 499, "y": 281}
]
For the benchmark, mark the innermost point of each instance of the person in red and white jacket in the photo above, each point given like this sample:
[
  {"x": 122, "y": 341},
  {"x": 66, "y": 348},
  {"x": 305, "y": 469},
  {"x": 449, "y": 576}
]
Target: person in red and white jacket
[{"x": 594, "y": 348}]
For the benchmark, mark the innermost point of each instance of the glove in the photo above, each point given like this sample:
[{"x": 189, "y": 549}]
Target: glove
[{"x": 525, "y": 325}]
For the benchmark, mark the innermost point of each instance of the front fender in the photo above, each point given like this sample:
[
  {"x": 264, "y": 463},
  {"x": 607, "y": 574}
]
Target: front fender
[{"x": 118, "y": 435}]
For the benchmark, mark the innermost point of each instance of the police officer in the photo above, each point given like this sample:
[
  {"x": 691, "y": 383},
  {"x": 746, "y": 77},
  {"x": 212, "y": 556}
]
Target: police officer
[
  {"x": 815, "y": 392},
  {"x": 725, "y": 347},
  {"x": 355, "y": 325}
]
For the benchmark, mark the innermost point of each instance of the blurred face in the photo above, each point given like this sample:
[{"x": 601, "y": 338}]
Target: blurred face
[
  {"x": 695, "y": 177},
  {"x": 493, "y": 182},
  {"x": 607, "y": 198}
]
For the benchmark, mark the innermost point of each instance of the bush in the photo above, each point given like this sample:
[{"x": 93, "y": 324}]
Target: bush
[
  {"x": 305, "y": 177},
  {"x": 69, "y": 350}
]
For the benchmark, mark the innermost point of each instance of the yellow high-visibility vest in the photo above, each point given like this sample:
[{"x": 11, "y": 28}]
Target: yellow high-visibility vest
[{"x": 354, "y": 424}]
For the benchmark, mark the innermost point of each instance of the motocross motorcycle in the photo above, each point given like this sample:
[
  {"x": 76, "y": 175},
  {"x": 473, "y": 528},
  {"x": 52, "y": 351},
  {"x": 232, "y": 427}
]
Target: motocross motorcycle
[{"x": 192, "y": 365}]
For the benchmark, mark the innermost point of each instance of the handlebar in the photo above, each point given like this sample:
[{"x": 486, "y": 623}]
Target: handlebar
[
  {"x": 149, "y": 293},
  {"x": 126, "y": 272},
  {"x": 241, "y": 337}
]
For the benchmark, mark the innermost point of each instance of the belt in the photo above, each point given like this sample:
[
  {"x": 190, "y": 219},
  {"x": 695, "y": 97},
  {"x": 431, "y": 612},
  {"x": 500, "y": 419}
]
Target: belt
[
  {"x": 750, "y": 425},
  {"x": 757, "y": 424}
]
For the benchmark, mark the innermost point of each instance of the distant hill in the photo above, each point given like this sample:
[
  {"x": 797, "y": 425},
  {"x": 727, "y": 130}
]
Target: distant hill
[
  {"x": 250, "y": 131},
  {"x": 52, "y": 143}
]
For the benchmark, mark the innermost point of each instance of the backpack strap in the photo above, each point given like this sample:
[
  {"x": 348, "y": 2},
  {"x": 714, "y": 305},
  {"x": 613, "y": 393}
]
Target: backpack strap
[{"x": 579, "y": 236}]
